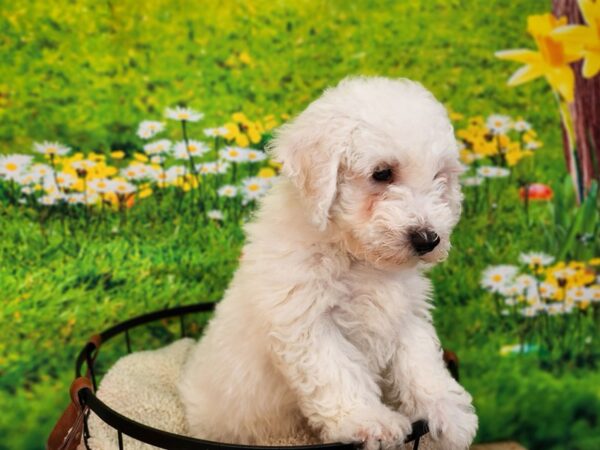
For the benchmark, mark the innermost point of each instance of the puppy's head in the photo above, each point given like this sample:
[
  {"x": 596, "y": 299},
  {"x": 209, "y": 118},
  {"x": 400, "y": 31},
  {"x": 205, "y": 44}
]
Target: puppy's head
[{"x": 375, "y": 162}]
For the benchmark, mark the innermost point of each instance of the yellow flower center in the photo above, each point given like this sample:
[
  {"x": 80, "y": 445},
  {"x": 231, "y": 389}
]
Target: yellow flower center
[
  {"x": 253, "y": 187},
  {"x": 11, "y": 166},
  {"x": 552, "y": 51},
  {"x": 497, "y": 278},
  {"x": 233, "y": 153}
]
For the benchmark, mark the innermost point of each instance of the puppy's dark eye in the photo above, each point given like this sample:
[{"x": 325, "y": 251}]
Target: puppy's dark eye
[{"x": 384, "y": 175}]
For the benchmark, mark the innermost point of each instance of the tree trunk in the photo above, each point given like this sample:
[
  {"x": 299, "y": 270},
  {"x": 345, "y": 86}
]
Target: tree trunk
[{"x": 585, "y": 109}]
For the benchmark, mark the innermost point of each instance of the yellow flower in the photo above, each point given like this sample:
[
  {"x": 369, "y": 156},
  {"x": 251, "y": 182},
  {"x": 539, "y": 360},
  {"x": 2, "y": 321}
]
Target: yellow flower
[
  {"x": 145, "y": 193},
  {"x": 454, "y": 116},
  {"x": 266, "y": 172},
  {"x": 512, "y": 158},
  {"x": 117, "y": 154},
  {"x": 552, "y": 60},
  {"x": 276, "y": 165},
  {"x": 96, "y": 157},
  {"x": 466, "y": 156},
  {"x": 140, "y": 157},
  {"x": 243, "y": 131},
  {"x": 594, "y": 262},
  {"x": 245, "y": 58},
  {"x": 588, "y": 37}
]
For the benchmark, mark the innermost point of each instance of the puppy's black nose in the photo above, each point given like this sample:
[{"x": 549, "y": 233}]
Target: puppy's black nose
[{"x": 423, "y": 241}]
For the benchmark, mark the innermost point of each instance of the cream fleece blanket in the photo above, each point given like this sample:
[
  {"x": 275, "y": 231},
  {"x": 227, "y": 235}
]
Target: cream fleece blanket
[{"x": 142, "y": 386}]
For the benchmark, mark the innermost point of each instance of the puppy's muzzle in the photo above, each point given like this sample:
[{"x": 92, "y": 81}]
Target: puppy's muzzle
[{"x": 424, "y": 241}]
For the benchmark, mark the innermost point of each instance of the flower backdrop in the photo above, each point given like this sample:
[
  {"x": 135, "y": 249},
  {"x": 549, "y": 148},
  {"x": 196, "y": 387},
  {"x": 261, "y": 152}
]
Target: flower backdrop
[{"x": 132, "y": 152}]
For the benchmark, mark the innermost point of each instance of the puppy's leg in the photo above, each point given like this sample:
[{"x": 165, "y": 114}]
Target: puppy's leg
[
  {"x": 336, "y": 391},
  {"x": 425, "y": 389}
]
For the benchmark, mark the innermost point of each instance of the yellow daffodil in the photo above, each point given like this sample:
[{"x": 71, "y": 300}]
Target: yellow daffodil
[
  {"x": 117, "y": 154},
  {"x": 551, "y": 61},
  {"x": 586, "y": 36}
]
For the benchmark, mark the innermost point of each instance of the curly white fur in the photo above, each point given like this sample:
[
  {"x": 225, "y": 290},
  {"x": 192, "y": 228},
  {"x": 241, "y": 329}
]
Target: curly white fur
[{"x": 327, "y": 322}]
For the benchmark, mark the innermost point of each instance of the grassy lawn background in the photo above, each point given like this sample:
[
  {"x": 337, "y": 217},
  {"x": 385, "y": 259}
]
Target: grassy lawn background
[{"x": 86, "y": 73}]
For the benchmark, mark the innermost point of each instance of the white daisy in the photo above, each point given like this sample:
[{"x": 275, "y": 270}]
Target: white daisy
[
  {"x": 174, "y": 172},
  {"x": 49, "y": 200},
  {"x": 536, "y": 259},
  {"x": 51, "y": 148},
  {"x": 12, "y": 166},
  {"x": 183, "y": 114},
  {"x": 157, "y": 159},
  {"x": 533, "y": 145},
  {"x": 40, "y": 170},
  {"x": 83, "y": 164},
  {"x": 492, "y": 172},
  {"x": 227, "y": 191},
  {"x": 521, "y": 125},
  {"x": 75, "y": 199},
  {"x": 100, "y": 185},
  {"x": 578, "y": 294},
  {"x": 255, "y": 155},
  {"x": 64, "y": 180},
  {"x": 157, "y": 147},
  {"x": 525, "y": 282},
  {"x": 254, "y": 188},
  {"x": 510, "y": 289},
  {"x": 498, "y": 124},
  {"x": 234, "y": 154},
  {"x": 214, "y": 132},
  {"x": 496, "y": 278},
  {"x": 215, "y": 214},
  {"x": 222, "y": 167},
  {"x": 137, "y": 171},
  {"x": 195, "y": 149},
  {"x": 530, "y": 311},
  {"x": 149, "y": 128},
  {"x": 26, "y": 179},
  {"x": 472, "y": 181},
  {"x": 554, "y": 309},
  {"x": 120, "y": 187},
  {"x": 547, "y": 290},
  {"x": 595, "y": 293}
]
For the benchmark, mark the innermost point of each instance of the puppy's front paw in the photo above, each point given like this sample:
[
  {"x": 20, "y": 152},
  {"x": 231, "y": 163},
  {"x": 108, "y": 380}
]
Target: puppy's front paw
[
  {"x": 375, "y": 428},
  {"x": 452, "y": 421}
]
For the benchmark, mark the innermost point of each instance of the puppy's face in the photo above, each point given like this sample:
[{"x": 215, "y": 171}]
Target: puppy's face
[
  {"x": 376, "y": 164},
  {"x": 397, "y": 202}
]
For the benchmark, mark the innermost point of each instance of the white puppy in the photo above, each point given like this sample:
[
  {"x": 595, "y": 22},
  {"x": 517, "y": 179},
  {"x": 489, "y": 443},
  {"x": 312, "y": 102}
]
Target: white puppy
[{"x": 327, "y": 322}]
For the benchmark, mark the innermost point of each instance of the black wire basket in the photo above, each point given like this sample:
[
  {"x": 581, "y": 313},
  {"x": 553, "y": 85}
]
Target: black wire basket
[{"x": 72, "y": 428}]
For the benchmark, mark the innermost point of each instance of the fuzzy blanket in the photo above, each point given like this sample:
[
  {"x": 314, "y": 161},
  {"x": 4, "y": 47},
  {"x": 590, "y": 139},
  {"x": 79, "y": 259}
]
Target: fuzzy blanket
[{"x": 142, "y": 386}]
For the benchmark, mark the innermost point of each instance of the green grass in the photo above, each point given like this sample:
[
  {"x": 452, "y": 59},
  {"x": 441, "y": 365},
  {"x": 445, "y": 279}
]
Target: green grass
[{"x": 86, "y": 73}]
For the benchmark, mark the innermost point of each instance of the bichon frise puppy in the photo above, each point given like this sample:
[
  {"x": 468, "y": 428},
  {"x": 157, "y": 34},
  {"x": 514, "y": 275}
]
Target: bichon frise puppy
[{"x": 327, "y": 322}]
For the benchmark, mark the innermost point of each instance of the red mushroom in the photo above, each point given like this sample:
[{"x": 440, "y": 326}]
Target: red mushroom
[{"x": 536, "y": 191}]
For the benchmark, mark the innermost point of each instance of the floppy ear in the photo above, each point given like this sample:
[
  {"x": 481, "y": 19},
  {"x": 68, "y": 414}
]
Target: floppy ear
[{"x": 310, "y": 149}]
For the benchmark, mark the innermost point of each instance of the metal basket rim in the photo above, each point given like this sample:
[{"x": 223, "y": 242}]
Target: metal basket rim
[{"x": 88, "y": 400}]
